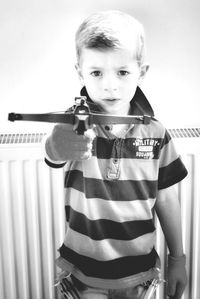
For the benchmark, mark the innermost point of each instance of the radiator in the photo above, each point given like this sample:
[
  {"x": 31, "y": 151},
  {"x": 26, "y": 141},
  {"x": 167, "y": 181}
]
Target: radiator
[{"x": 32, "y": 217}]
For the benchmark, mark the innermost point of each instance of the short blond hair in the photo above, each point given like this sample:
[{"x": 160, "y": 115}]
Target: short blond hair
[{"x": 111, "y": 29}]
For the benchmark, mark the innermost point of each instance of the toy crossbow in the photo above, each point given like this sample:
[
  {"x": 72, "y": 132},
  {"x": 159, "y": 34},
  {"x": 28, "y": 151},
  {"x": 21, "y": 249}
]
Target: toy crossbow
[{"x": 81, "y": 117}]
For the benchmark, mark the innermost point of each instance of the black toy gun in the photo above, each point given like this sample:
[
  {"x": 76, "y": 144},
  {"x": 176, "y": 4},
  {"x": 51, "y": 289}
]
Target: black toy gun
[{"x": 81, "y": 117}]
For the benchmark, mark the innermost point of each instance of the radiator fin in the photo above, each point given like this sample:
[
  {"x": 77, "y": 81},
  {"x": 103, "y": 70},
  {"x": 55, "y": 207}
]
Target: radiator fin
[
  {"x": 21, "y": 138},
  {"x": 185, "y": 132}
]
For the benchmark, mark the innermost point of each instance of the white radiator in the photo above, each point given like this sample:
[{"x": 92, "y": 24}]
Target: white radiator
[{"x": 32, "y": 217}]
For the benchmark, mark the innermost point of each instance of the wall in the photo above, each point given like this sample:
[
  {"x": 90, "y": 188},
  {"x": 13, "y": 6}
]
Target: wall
[{"x": 37, "y": 56}]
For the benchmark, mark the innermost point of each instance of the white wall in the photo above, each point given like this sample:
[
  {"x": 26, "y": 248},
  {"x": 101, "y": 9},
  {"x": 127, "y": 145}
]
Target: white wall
[{"x": 37, "y": 56}]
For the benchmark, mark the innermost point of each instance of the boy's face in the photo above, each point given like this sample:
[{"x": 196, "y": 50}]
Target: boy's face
[{"x": 110, "y": 77}]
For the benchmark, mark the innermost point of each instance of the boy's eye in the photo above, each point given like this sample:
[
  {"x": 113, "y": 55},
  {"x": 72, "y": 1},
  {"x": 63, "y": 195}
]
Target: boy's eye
[
  {"x": 123, "y": 73},
  {"x": 96, "y": 73}
]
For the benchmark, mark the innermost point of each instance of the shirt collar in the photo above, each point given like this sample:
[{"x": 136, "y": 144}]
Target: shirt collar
[{"x": 139, "y": 103}]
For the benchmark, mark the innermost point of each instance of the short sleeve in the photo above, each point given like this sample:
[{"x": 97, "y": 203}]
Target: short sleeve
[
  {"x": 171, "y": 168},
  {"x": 54, "y": 164}
]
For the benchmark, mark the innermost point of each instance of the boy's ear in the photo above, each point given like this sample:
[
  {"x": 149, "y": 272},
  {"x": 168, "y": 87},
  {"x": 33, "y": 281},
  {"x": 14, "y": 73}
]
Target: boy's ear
[
  {"x": 143, "y": 70},
  {"x": 78, "y": 69}
]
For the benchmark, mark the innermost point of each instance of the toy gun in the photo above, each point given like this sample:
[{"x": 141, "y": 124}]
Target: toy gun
[
  {"x": 152, "y": 288},
  {"x": 81, "y": 117}
]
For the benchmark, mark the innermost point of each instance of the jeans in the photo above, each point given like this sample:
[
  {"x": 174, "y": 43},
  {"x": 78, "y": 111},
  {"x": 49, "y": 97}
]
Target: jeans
[{"x": 73, "y": 288}]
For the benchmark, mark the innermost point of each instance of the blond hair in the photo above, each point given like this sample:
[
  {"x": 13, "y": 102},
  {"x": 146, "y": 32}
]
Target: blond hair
[{"x": 111, "y": 29}]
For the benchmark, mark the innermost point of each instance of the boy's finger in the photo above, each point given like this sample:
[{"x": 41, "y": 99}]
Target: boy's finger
[
  {"x": 86, "y": 156},
  {"x": 179, "y": 291},
  {"x": 171, "y": 289},
  {"x": 90, "y": 146},
  {"x": 90, "y": 134}
]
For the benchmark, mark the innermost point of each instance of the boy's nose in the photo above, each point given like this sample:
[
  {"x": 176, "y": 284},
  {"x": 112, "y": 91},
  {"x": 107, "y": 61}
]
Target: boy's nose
[{"x": 110, "y": 84}]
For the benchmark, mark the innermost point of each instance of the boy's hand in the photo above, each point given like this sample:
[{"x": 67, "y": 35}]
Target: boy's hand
[
  {"x": 64, "y": 144},
  {"x": 177, "y": 277}
]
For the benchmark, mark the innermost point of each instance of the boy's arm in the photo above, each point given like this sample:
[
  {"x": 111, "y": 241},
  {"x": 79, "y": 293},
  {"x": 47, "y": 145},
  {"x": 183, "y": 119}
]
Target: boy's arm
[{"x": 168, "y": 211}]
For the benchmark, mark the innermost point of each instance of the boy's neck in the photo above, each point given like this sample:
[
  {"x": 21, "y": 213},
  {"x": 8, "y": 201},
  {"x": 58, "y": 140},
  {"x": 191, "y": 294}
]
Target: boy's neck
[
  {"x": 125, "y": 111},
  {"x": 119, "y": 130}
]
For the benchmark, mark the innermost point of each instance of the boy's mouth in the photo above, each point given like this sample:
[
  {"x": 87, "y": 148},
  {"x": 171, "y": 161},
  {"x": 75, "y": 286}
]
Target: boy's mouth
[{"x": 110, "y": 99}]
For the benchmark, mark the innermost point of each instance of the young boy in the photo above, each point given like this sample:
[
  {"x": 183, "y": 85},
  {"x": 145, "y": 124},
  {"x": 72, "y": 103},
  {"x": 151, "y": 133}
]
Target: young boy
[{"x": 116, "y": 176}]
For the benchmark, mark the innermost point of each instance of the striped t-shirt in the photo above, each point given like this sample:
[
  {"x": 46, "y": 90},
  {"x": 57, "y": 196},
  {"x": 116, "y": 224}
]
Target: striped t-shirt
[{"x": 110, "y": 198}]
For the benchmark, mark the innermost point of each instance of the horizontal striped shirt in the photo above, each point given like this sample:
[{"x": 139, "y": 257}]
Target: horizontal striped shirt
[{"x": 110, "y": 198}]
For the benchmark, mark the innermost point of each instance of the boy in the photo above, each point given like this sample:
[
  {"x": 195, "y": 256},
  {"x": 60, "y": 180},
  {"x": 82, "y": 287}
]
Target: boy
[{"x": 116, "y": 176}]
